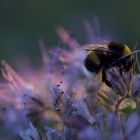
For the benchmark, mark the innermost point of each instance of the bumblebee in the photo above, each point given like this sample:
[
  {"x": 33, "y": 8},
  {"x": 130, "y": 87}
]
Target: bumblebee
[{"x": 101, "y": 57}]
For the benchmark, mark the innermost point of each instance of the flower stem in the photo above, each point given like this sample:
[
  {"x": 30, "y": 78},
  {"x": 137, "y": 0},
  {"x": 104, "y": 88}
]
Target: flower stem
[{"x": 117, "y": 113}]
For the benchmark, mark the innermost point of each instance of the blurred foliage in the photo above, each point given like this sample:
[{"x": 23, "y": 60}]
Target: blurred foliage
[{"x": 22, "y": 23}]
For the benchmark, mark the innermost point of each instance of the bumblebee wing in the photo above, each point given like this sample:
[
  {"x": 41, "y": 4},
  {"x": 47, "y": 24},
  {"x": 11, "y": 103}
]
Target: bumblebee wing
[
  {"x": 90, "y": 47},
  {"x": 97, "y": 48}
]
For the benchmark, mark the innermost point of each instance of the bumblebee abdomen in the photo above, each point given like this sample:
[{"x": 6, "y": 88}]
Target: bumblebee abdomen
[{"x": 92, "y": 62}]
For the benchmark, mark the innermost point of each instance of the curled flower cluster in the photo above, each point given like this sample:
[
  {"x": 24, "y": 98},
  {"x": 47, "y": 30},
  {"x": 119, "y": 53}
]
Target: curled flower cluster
[{"x": 64, "y": 102}]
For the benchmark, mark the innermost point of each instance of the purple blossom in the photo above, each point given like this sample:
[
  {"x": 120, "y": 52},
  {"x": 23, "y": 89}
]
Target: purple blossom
[{"x": 63, "y": 101}]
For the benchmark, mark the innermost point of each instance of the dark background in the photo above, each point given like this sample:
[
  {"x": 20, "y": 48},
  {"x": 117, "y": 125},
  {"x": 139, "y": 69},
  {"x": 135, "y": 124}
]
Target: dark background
[{"x": 24, "y": 22}]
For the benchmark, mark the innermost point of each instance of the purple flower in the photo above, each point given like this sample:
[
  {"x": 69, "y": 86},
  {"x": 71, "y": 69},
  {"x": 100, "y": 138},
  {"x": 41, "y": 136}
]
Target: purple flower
[
  {"x": 65, "y": 102},
  {"x": 31, "y": 133}
]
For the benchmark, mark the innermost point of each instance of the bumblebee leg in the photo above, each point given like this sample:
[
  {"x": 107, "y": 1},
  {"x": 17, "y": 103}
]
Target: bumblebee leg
[
  {"x": 104, "y": 79},
  {"x": 107, "y": 82},
  {"x": 120, "y": 71}
]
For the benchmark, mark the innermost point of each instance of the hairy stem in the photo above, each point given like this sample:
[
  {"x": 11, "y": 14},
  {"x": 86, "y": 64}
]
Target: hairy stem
[{"x": 117, "y": 113}]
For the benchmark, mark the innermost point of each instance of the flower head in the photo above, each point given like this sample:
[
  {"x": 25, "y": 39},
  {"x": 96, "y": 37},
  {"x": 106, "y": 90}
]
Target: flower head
[{"x": 63, "y": 101}]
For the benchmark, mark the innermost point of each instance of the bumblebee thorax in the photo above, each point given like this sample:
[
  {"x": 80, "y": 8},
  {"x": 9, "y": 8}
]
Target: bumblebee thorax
[{"x": 126, "y": 50}]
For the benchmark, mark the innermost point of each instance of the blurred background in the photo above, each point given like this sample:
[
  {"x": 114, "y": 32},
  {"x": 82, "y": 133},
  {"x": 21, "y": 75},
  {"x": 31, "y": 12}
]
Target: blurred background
[{"x": 23, "y": 23}]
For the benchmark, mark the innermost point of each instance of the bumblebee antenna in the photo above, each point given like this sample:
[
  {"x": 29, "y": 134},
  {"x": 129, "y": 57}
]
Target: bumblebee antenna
[
  {"x": 135, "y": 46},
  {"x": 134, "y": 52},
  {"x": 136, "y": 56}
]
